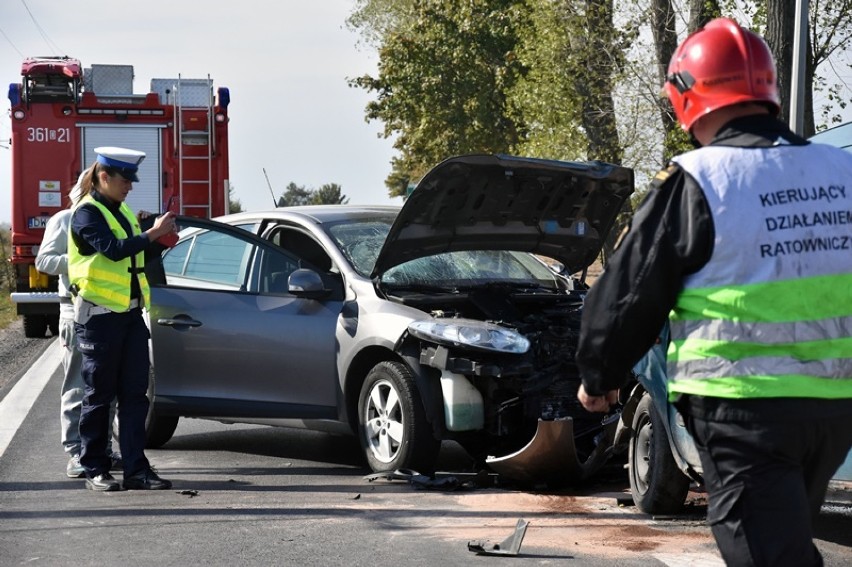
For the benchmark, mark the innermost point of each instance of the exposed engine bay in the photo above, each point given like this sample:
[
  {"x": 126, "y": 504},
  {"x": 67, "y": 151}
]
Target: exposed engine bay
[{"x": 519, "y": 391}]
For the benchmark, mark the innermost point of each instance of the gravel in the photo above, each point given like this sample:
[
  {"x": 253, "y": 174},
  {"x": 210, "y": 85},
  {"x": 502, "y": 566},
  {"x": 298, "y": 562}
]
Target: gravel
[{"x": 17, "y": 353}]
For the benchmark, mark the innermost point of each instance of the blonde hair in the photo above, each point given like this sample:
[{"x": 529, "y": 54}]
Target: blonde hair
[{"x": 89, "y": 179}]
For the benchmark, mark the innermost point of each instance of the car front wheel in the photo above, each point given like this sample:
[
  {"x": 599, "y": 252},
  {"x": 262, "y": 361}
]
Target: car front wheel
[
  {"x": 393, "y": 429},
  {"x": 158, "y": 428},
  {"x": 657, "y": 485}
]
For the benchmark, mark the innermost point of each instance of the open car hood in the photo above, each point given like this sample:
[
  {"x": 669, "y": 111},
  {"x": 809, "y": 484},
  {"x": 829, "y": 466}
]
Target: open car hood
[{"x": 563, "y": 210}]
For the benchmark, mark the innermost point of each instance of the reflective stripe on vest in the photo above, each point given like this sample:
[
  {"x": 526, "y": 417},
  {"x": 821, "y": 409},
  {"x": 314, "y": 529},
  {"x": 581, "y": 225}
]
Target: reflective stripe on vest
[
  {"x": 99, "y": 279},
  {"x": 770, "y": 315}
]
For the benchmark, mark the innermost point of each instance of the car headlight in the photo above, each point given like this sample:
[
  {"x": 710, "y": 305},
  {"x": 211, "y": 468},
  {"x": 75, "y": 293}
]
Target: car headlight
[{"x": 470, "y": 333}]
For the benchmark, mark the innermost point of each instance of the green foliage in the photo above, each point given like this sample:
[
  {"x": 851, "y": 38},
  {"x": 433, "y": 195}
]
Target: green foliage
[
  {"x": 376, "y": 19},
  {"x": 677, "y": 142},
  {"x": 330, "y": 194},
  {"x": 442, "y": 85},
  {"x": 7, "y": 272},
  {"x": 8, "y": 311},
  {"x": 327, "y": 194},
  {"x": 560, "y": 79},
  {"x": 543, "y": 98},
  {"x": 831, "y": 35},
  {"x": 295, "y": 195},
  {"x": 234, "y": 205}
]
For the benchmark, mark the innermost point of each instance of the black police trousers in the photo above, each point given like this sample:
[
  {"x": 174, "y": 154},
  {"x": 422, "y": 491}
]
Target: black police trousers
[
  {"x": 766, "y": 467},
  {"x": 115, "y": 364}
]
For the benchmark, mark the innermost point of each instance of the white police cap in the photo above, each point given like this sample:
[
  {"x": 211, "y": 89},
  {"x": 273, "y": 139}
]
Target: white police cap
[{"x": 125, "y": 162}]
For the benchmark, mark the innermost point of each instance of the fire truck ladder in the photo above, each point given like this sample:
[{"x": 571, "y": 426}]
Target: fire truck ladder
[{"x": 194, "y": 131}]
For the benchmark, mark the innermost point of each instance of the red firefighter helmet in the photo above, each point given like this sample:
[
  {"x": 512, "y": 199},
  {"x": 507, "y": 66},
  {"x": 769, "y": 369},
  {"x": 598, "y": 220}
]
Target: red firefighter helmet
[{"x": 720, "y": 65}]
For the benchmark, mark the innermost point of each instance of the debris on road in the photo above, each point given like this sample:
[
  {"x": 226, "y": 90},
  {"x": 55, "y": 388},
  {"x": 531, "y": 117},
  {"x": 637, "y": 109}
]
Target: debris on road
[
  {"x": 509, "y": 546},
  {"x": 438, "y": 481}
]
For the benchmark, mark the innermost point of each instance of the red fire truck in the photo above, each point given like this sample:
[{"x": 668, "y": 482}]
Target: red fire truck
[{"x": 61, "y": 112}]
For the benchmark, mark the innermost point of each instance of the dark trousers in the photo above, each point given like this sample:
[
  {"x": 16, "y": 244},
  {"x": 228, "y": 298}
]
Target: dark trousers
[
  {"x": 766, "y": 473},
  {"x": 115, "y": 366}
]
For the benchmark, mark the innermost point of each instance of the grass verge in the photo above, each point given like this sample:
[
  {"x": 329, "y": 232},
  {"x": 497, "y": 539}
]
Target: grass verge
[{"x": 8, "y": 312}]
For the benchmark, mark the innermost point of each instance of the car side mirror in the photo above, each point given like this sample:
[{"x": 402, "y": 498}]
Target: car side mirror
[{"x": 306, "y": 283}]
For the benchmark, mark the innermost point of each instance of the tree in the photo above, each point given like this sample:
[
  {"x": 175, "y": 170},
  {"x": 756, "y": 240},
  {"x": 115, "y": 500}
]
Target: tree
[
  {"x": 234, "y": 205},
  {"x": 543, "y": 100},
  {"x": 601, "y": 54},
  {"x": 663, "y": 20},
  {"x": 444, "y": 72},
  {"x": 830, "y": 30},
  {"x": 295, "y": 195},
  {"x": 7, "y": 272},
  {"x": 830, "y": 36},
  {"x": 330, "y": 194},
  {"x": 560, "y": 79},
  {"x": 327, "y": 194}
]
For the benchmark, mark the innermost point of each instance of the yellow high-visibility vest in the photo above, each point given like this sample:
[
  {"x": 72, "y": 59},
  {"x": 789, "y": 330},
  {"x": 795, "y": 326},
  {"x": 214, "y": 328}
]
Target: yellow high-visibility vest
[{"x": 99, "y": 279}]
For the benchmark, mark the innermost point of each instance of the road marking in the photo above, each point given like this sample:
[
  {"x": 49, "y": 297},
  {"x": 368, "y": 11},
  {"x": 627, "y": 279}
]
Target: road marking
[
  {"x": 17, "y": 403},
  {"x": 690, "y": 559}
]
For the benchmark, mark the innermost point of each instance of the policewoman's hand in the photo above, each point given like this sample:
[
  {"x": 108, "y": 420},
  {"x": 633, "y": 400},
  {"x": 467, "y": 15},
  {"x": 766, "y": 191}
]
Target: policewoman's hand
[{"x": 163, "y": 225}]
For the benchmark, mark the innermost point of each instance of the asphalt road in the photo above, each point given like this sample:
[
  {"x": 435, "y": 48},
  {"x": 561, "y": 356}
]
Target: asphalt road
[{"x": 250, "y": 495}]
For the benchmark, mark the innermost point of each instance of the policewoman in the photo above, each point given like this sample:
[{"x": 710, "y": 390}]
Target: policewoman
[{"x": 105, "y": 268}]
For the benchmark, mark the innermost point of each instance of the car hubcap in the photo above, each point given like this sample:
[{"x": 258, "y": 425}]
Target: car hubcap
[
  {"x": 384, "y": 421},
  {"x": 642, "y": 454}
]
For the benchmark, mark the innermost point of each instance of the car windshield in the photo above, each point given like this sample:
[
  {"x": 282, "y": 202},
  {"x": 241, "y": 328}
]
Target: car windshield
[{"x": 361, "y": 242}]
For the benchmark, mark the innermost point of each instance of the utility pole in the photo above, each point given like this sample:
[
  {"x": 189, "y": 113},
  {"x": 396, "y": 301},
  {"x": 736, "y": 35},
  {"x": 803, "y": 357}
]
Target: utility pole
[{"x": 797, "y": 80}]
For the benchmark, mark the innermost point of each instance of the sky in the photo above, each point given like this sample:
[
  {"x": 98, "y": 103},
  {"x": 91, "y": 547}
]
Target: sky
[{"x": 286, "y": 63}]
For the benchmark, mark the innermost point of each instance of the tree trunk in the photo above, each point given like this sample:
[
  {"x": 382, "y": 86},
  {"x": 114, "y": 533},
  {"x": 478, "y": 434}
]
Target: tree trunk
[
  {"x": 662, "y": 19},
  {"x": 598, "y": 107},
  {"x": 598, "y": 115},
  {"x": 701, "y": 12},
  {"x": 780, "y": 22}
]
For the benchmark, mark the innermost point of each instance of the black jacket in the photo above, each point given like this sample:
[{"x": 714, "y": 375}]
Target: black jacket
[{"x": 671, "y": 236}]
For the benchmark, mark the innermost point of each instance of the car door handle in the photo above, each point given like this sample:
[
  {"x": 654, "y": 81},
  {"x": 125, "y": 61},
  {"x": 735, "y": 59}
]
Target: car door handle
[{"x": 179, "y": 322}]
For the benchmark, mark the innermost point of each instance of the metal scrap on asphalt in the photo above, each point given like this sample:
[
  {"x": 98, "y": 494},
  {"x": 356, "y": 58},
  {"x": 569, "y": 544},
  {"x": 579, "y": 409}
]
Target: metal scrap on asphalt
[{"x": 510, "y": 546}]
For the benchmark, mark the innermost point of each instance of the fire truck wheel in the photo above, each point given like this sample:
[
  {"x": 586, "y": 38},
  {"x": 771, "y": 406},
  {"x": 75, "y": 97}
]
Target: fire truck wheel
[
  {"x": 53, "y": 325},
  {"x": 35, "y": 326}
]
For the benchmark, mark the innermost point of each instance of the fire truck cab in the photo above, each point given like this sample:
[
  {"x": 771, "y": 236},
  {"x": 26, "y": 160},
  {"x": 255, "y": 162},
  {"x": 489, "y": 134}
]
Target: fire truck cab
[{"x": 61, "y": 112}]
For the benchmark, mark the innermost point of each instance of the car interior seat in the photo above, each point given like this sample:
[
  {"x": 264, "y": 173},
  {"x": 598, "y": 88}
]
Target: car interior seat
[{"x": 305, "y": 248}]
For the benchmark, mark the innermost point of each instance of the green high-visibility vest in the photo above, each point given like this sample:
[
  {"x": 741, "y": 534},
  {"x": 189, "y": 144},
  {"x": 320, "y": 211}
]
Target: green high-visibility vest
[
  {"x": 770, "y": 315},
  {"x": 101, "y": 280}
]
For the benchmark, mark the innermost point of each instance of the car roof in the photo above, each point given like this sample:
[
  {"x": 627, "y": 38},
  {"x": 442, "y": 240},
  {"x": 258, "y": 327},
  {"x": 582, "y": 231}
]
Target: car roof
[
  {"x": 839, "y": 136},
  {"x": 320, "y": 214}
]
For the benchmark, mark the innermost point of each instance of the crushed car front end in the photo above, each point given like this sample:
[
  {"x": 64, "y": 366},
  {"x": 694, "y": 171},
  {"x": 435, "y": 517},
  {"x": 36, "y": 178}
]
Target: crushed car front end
[{"x": 502, "y": 328}]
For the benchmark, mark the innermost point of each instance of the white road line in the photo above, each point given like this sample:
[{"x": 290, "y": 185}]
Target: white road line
[
  {"x": 690, "y": 559},
  {"x": 17, "y": 403}
]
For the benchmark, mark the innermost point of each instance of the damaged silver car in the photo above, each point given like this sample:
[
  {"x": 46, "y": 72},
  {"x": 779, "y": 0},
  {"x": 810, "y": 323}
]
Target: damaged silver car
[{"x": 405, "y": 326}]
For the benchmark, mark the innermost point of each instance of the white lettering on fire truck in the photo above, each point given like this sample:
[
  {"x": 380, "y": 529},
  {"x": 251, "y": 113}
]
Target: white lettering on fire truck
[{"x": 59, "y": 135}]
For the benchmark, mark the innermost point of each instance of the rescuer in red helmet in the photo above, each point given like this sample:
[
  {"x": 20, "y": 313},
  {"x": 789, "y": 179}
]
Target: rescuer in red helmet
[{"x": 743, "y": 245}]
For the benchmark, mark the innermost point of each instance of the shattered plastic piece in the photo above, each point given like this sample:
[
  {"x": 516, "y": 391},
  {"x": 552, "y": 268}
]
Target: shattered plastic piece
[
  {"x": 509, "y": 546},
  {"x": 433, "y": 483},
  {"x": 398, "y": 474},
  {"x": 439, "y": 480},
  {"x": 551, "y": 456}
]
